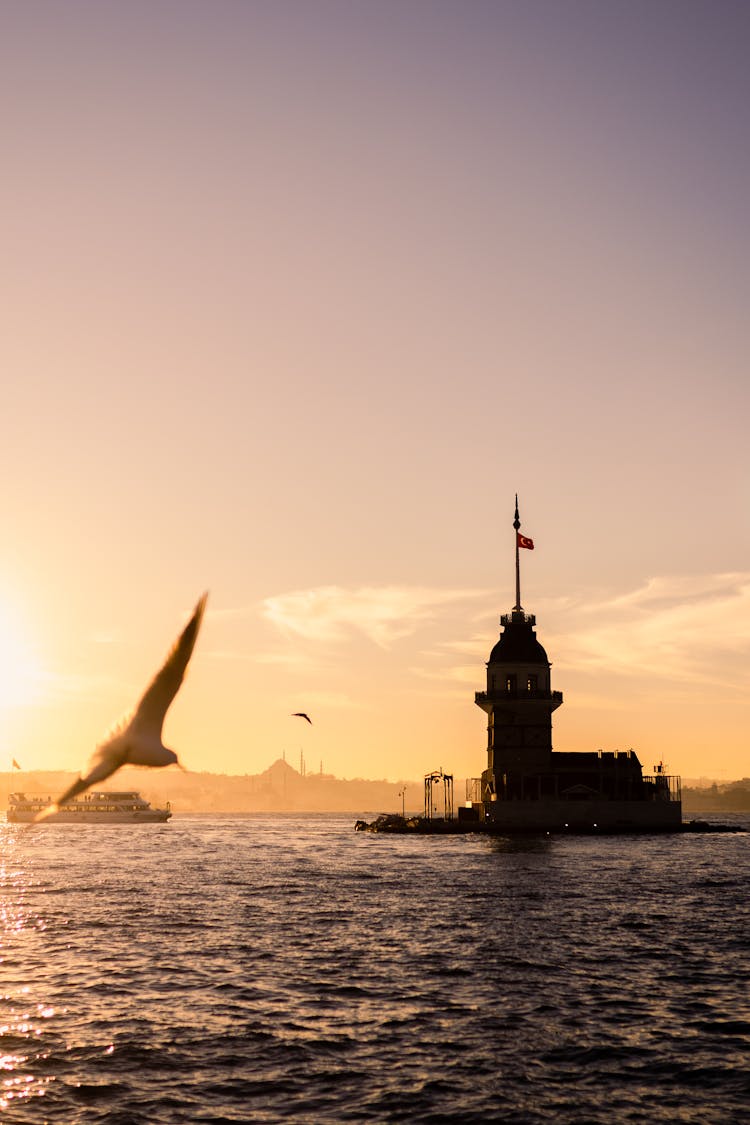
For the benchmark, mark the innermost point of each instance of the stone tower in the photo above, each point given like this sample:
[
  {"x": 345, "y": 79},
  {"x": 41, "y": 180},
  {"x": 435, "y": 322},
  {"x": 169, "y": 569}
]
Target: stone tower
[{"x": 518, "y": 703}]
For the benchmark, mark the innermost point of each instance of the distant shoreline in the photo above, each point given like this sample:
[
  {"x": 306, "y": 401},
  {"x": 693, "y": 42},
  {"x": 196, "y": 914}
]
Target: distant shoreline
[
  {"x": 283, "y": 789},
  {"x": 280, "y": 788}
]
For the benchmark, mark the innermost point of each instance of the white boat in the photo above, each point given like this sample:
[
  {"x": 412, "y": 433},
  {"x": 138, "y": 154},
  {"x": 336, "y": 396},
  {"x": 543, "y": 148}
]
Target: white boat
[{"x": 99, "y": 807}]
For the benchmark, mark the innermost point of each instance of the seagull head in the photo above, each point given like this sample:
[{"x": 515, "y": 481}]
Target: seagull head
[
  {"x": 173, "y": 760},
  {"x": 150, "y": 755}
]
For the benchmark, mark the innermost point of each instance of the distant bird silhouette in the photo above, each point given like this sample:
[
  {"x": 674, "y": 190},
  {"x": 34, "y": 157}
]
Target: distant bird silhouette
[
  {"x": 137, "y": 740},
  {"x": 301, "y": 715}
]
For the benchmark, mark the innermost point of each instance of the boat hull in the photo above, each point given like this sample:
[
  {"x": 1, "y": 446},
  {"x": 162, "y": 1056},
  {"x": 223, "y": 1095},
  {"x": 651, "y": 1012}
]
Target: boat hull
[
  {"x": 151, "y": 816},
  {"x": 99, "y": 807}
]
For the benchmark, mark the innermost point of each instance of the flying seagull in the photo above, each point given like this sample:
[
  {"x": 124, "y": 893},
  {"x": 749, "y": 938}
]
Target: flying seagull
[
  {"x": 301, "y": 715},
  {"x": 137, "y": 740}
]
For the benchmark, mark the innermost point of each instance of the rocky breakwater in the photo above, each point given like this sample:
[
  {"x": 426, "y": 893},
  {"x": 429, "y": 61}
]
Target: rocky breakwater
[{"x": 393, "y": 822}]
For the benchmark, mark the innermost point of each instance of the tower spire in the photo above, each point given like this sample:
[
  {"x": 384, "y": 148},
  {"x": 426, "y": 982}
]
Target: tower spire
[{"x": 517, "y": 524}]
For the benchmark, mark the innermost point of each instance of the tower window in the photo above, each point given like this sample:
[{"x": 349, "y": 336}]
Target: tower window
[
  {"x": 510, "y": 683},
  {"x": 531, "y": 683}
]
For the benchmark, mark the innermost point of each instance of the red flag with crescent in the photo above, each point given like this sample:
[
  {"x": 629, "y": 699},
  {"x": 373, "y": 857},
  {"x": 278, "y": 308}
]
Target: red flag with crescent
[{"x": 524, "y": 542}]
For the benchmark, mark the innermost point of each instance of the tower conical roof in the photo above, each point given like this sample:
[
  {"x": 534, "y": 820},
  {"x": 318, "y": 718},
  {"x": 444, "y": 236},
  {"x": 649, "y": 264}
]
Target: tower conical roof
[{"x": 518, "y": 644}]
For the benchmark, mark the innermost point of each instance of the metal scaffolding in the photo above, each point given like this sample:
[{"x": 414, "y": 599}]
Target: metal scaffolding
[{"x": 431, "y": 780}]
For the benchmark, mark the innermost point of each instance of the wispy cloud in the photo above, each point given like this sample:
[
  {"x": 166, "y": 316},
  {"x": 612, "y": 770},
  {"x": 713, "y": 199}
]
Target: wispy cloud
[
  {"x": 230, "y": 613},
  {"x": 447, "y": 682},
  {"x": 691, "y": 628},
  {"x": 110, "y": 637},
  {"x": 333, "y": 699},
  {"x": 384, "y": 614},
  {"x": 61, "y": 687},
  {"x": 293, "y": 658},
  {"x": 687, "y": 629}
]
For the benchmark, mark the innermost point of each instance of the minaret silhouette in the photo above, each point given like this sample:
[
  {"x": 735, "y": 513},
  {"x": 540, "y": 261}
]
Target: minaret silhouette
[{"x": 518, "y": 703}]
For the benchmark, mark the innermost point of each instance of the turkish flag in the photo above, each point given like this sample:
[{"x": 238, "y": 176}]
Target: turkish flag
[{"x": 524, "y": 542}]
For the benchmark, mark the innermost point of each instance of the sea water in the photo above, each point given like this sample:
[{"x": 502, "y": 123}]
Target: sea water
[{"x": 285, "y": 968}]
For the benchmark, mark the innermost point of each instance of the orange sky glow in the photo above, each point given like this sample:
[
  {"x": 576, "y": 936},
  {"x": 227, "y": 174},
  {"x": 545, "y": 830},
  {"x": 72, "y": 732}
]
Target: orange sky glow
[{"x": 297, "y": 297}]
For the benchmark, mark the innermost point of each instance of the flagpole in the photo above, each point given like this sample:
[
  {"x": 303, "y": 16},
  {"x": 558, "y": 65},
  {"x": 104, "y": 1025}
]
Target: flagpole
[{"x": 517, "y": 524}]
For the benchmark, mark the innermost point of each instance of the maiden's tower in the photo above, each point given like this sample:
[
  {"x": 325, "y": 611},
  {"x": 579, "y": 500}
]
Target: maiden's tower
[{"x": 527, "y": 786}]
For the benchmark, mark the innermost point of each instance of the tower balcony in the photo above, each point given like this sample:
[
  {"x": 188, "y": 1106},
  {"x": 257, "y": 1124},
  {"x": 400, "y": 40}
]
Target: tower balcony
[{"x": 482, "y": 698}]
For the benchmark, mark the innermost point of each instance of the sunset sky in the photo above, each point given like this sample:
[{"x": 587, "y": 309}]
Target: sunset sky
[{"x": 297, "y": 296}]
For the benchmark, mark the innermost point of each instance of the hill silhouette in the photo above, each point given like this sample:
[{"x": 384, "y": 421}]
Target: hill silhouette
[{"x": 280, "y": 788}]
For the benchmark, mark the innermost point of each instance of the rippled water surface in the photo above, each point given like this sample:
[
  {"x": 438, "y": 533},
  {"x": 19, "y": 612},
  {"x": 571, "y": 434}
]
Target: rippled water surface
[{"x": 225, "y": 969}]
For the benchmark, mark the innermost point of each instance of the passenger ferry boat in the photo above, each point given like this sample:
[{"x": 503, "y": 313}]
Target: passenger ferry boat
[{"x": 98, "y": 807}]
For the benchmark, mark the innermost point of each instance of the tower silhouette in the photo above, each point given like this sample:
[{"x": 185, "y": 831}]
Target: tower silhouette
[
  {"x": 527, "y": 786},
  {"x": 518, "y": 703}
]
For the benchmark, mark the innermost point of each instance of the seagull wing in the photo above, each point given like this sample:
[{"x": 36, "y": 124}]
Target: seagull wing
[
  {"x": 102, "y": 764},
  {"x": 155, "y": 701},
  {"x": 301, "y": 715}
]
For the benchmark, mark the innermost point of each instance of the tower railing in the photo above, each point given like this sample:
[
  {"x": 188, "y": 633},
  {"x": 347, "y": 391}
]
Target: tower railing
[
  {"x": 518, "y": 617},
  {"x": 663, "y": 786},
  {"x": 500, "y": 693}
]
